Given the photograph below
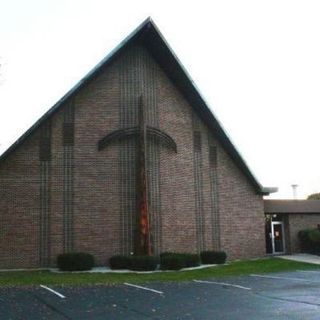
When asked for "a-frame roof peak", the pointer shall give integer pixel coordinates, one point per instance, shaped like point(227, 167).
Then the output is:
point(148, 34)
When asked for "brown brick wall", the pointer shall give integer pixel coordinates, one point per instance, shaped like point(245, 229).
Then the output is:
point(96, 184)
point(241, 209)
point(299, 222)
point(177, 194)
point(19, 207)
point(56, 225)
point(96, 194)
point(241, 213)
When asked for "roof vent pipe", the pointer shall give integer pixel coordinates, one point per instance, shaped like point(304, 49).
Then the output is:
point(294, 191)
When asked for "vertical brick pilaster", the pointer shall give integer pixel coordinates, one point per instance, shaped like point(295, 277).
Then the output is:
point(68, 167)
point(198, 183)
point(215, 219)
point(45, 188)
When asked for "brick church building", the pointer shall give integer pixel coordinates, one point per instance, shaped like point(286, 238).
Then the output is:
point(70, 183)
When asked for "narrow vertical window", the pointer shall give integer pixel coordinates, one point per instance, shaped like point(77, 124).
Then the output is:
point(45, 143)
point(68, 134)
point(213, 156)
point(197, 141)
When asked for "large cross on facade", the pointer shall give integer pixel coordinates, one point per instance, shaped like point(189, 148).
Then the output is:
point(143, 132)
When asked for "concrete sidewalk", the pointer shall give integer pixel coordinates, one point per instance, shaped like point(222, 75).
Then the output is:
point(302, 257)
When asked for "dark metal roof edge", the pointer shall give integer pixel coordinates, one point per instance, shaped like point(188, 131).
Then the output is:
point(217, 124)
point(267, 190)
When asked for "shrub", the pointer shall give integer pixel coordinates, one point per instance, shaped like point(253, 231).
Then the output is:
point(75, 261)
point(213, 257)
point(143, 263)
point(119, 262)
point(309, 240)
point(136, 263)
point(191, 260)
point(172, 262)
point(314, 235)
point(303, 235)
point(176, 261)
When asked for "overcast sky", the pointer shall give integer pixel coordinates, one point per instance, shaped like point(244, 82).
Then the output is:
point(257, 63)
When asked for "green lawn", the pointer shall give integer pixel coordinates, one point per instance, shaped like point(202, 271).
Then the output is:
point(26, 278)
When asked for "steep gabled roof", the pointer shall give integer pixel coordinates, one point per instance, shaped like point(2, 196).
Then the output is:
point(149, 35)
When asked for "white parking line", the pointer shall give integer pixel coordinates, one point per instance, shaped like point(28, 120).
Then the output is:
point(223, 284)
point(283, 278)
point(143, 288)
point(53, 291)
point(309, 271)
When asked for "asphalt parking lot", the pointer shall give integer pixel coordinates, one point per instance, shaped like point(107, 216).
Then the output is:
point(291, 295)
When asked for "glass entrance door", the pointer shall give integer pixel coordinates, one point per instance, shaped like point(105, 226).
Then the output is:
point(277, 237)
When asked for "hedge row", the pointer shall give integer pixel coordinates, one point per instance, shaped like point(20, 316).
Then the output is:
point(310, 240)
point(80, 261)
point(177, 261)
point(75, 261)
point(136, 263)
point(168, 261)
point(213, 257)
